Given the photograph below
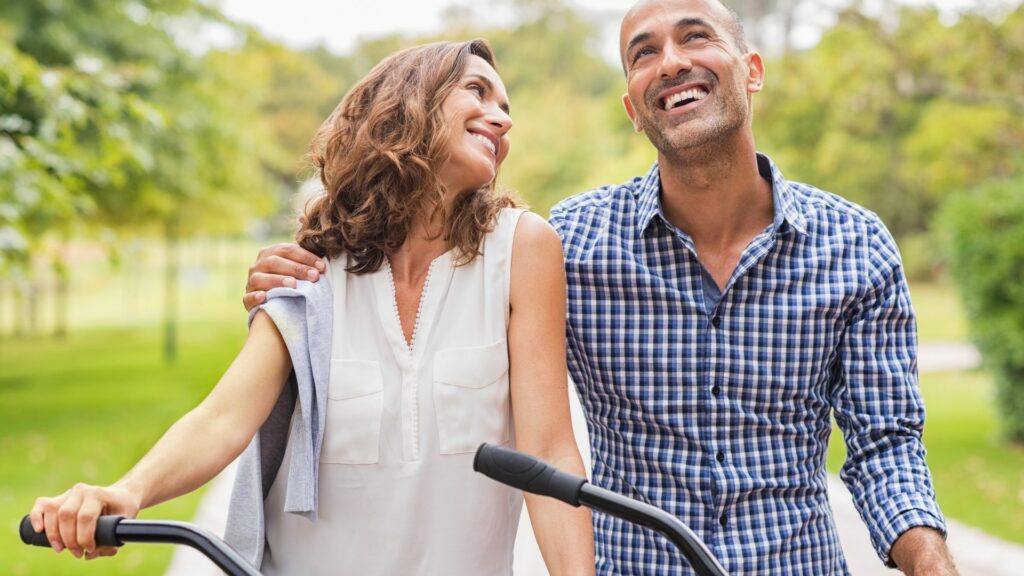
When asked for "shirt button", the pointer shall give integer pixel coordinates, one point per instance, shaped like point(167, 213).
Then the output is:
point(724, 519)
point(716, 321)
point(720, 457)
point(716, 390)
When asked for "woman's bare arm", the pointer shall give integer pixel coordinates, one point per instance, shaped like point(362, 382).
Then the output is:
point(194, 450)
point(539, 383)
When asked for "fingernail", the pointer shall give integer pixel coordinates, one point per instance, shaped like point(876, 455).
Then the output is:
point(57, 547)
point(260, 297)
point(289, 282)
point(312, 274)
point(320, 265)
point(76, 553)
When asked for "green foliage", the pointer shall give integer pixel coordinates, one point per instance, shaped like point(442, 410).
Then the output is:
point(108, 121)
point(570, 130)
point(986, 229)
point(899, 116)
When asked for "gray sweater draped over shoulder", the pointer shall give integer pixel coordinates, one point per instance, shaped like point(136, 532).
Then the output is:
point(304, 317)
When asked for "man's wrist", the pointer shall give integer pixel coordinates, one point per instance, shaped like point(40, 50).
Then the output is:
point(922, 550)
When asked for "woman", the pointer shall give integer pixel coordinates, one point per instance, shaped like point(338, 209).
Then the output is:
point(359, 401)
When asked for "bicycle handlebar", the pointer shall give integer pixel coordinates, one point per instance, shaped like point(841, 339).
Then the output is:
point(117, 530)
point(529, 474)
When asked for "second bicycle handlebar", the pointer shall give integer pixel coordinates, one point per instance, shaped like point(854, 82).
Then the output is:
point(532, 475)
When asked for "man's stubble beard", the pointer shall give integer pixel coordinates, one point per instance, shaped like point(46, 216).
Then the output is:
point(701, 143)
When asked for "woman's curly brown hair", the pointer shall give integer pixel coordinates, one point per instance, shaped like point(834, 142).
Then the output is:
point(378, 154)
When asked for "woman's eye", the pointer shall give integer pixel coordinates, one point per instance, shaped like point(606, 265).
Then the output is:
point(480, 90)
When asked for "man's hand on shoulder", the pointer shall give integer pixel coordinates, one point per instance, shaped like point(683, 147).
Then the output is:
point(279, 265)
point(923, 551)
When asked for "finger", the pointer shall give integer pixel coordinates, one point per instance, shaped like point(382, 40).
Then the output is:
point(88, 513)
point(101, 552)
point(261, 281)
point(301, 255)
point(254, 299)
point(67, 523)
point(286, 267)
point(50, 523)
point(36, 515)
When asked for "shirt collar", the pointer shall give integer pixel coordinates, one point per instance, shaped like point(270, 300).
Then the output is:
point(786, 204)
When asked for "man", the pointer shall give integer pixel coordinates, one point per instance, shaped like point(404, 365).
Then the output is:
point(718, 314)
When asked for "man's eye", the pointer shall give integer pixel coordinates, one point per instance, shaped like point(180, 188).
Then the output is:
point(697, 36)
point(642, 52)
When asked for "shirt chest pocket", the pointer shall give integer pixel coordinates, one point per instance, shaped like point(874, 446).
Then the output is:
point(471, 396)
point(355, 403)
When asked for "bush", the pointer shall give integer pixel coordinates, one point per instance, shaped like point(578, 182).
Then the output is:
point(986, 232)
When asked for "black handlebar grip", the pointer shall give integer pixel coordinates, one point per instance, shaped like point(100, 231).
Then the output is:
point(527, 473)
point(106, 532)
point(30, 536)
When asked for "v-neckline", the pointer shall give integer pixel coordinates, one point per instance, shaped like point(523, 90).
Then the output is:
point(410, 341)
point(438, 275)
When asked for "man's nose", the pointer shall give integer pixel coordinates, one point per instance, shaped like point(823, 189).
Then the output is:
point(674, 61)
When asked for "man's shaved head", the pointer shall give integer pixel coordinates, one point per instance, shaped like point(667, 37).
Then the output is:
point(730, 18)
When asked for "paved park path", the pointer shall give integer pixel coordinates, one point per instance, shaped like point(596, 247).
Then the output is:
point(977, 554)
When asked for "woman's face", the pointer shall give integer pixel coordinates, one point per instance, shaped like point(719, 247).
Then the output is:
point(477, 113)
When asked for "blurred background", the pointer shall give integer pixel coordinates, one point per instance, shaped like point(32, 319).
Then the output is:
point(148, 148)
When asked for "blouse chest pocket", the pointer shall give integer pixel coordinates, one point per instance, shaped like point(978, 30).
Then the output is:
point(471, 396)
point(355, 403)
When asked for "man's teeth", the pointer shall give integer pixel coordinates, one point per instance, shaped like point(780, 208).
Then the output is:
point(691, 94)
point(485, 141)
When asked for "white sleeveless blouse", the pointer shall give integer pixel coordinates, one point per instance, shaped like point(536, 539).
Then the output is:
point(397, 490)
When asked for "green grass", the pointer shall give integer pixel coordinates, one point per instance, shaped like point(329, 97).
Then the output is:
point(940, 315)
point(86, 409)
point(979, 478)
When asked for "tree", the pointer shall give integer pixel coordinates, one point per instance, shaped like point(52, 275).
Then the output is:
point(899, 116)
point(113, 123)
point(986, 229)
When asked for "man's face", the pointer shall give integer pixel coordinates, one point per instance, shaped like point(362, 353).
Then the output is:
point(688, 84)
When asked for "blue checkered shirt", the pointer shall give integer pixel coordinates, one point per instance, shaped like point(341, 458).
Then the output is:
point(721, 416)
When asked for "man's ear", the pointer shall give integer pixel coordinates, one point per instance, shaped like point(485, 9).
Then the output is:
point(631, 112)
point(755, 72)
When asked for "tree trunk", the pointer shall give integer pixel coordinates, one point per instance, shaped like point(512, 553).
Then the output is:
point(60, 297)
point(32, 300)
point(18, 308)
point(755, 10)
point(171, 273)
point(3, 309)
point(788, 9)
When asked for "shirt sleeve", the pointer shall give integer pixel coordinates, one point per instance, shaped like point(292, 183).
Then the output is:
point(878, 404)
point(576, 363)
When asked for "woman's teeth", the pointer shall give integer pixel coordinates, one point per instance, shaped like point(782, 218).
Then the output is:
point(485, 141)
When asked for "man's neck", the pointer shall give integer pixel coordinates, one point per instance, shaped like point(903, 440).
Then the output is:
point(718, 199)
